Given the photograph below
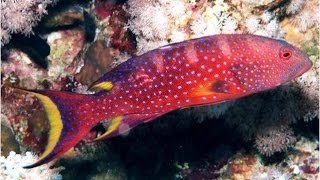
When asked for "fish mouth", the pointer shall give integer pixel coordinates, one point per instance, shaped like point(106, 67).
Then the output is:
point(302, 68)
point(298, 70)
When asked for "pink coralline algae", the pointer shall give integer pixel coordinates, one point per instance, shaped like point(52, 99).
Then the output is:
point(113, 21)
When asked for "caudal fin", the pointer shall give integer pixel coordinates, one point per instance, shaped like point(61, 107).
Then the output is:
point(67, 126)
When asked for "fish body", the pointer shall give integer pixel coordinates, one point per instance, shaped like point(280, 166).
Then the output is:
point(203, 71)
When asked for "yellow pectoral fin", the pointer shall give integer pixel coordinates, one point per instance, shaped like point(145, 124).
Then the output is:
point(55, 122)
point(107, 86)
point(115, 123)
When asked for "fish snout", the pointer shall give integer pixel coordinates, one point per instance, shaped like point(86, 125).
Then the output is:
point(304, 67)
point(296, 70)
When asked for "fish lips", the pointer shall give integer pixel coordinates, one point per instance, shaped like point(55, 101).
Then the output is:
point(302, 68)
point(298, 70)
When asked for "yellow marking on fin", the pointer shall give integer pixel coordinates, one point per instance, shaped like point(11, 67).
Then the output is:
point(102, 86)
point(55, 122)
point(115, 122)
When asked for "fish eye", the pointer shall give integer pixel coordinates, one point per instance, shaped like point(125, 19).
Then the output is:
point(285, 53)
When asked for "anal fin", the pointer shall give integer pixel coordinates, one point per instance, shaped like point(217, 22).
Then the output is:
point(115, 123)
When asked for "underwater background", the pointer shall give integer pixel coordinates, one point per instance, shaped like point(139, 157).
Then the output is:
point(66, 45)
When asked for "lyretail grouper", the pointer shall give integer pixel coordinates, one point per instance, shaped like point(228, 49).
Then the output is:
point(197, 72)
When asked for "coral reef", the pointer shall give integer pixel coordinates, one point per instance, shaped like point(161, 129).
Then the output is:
point(27, 124)
point(113, 19)
point(274, 140)
point(269, 122)
point(11, 167)
point(272, 113)
point(304, 14)
point(295, 6)
point(8, 141)
point(300, 164)
point(65, 46)
point(20, 16)
point(23, 111)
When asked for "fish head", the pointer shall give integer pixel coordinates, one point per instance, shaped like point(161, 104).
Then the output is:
point(266, 63)
point(292, 62)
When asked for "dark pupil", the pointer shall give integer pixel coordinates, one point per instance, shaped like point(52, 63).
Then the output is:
point(286, 54)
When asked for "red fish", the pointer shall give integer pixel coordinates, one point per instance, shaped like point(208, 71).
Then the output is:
point(197, 72)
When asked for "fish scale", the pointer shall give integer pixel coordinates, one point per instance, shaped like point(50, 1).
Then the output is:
point(197, 72)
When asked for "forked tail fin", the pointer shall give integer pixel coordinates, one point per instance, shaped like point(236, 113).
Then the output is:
point(67, 125)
